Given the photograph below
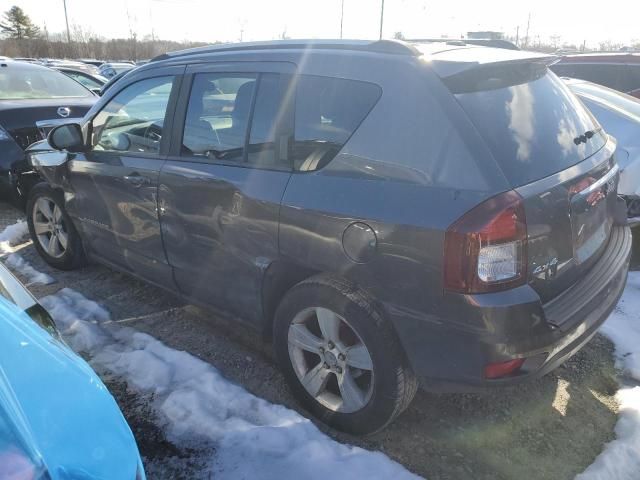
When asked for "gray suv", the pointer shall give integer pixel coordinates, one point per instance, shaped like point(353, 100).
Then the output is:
point(390, 215)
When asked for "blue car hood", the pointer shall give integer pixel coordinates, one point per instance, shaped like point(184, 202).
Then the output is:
point(55, 413)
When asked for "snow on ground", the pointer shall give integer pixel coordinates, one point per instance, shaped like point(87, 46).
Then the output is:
point(19, 264)
point(620, 458)
point(253, 438)
point(10, 236)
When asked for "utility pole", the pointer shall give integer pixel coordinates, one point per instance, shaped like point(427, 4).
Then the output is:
point(526, 38)
point(381, 18)
point(341, 17)
point(66, 19)
point(518, 36)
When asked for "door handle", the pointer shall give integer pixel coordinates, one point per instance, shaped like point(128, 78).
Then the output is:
point(137, 180)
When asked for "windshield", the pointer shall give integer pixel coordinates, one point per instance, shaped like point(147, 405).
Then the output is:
point(32, 83)
point(529, 119)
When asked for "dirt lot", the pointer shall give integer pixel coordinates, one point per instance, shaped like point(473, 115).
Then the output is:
point(552, 428)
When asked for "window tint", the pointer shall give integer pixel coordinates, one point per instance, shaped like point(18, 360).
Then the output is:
point(631, 79)
point(132, 121)
point(270, 115)
point(217, 116)
point(531, 127)
point(327, 112)
point(603, 74)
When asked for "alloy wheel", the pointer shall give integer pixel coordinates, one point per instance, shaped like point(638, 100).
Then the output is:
point(49, 227)
point(330, 360)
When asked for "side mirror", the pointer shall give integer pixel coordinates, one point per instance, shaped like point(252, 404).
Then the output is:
point(97, 91)
point(67, 137)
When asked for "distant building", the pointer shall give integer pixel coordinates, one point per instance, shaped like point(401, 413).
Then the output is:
point(486, 35)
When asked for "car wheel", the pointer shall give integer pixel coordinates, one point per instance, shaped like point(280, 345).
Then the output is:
point(51, 229)
point(340, 356)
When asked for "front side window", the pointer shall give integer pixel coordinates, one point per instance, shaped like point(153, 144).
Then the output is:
point(133, 120)
point(328, 111)
point(218, 116)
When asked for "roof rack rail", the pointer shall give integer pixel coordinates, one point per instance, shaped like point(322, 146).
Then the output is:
point(393, 47)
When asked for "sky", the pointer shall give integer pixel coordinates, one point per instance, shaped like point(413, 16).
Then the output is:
point(574, 21)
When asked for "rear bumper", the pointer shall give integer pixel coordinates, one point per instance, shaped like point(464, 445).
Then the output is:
point(449, 354)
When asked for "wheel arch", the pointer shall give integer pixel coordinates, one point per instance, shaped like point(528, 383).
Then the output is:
point(278, 279)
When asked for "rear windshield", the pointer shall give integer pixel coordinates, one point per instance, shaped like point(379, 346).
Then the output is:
point(24, 84)
point(532, 123)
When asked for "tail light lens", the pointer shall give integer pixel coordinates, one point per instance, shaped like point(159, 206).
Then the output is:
point(485, 250)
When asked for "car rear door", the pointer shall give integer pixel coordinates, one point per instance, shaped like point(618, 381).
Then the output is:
point(221, 187)
point(115, 183)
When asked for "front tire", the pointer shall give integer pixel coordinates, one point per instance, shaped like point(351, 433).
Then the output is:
point(340, 357)
point(52, 231)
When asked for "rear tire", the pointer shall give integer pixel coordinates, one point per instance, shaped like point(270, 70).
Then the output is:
point(358, 383)
point(52, 231)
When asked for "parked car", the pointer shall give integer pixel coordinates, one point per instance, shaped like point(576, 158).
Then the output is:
point(92, 82)
point(113, 80)
point(619, 114)
point(57, 418)
point(482, 42)
point(33, 99)
point(387, 214)
point(109, 70)
point(91, 61)
point(88, 68)
point(620, 71)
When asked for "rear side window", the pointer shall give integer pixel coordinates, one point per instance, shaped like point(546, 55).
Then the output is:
point(529, 119)
point(327, 112)
point(631, 79)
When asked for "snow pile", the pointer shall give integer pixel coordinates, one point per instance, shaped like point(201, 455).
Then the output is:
point(12, 235)
point(620, 458)
point(19, 264)
point(253, 438)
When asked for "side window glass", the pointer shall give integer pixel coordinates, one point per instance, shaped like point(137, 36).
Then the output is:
point(327, 112)
point(630, 80)
point(132, 121)
point(269, 115)
point(607, 75)
point(217, 116)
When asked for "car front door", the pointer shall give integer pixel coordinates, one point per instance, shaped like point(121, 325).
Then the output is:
point(115, 183)
point(221, 187)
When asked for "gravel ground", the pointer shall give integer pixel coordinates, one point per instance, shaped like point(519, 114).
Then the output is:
point(552, 428)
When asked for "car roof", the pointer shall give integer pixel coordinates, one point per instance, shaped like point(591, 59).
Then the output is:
point(379, 46)
point(446, 57)
point(23, 66)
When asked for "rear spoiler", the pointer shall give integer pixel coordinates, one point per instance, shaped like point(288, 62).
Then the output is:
point(453, 62)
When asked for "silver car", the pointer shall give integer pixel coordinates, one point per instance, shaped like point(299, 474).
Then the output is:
point(619, 115)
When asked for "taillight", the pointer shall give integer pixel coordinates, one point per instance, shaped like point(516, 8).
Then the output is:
point(485, 250)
